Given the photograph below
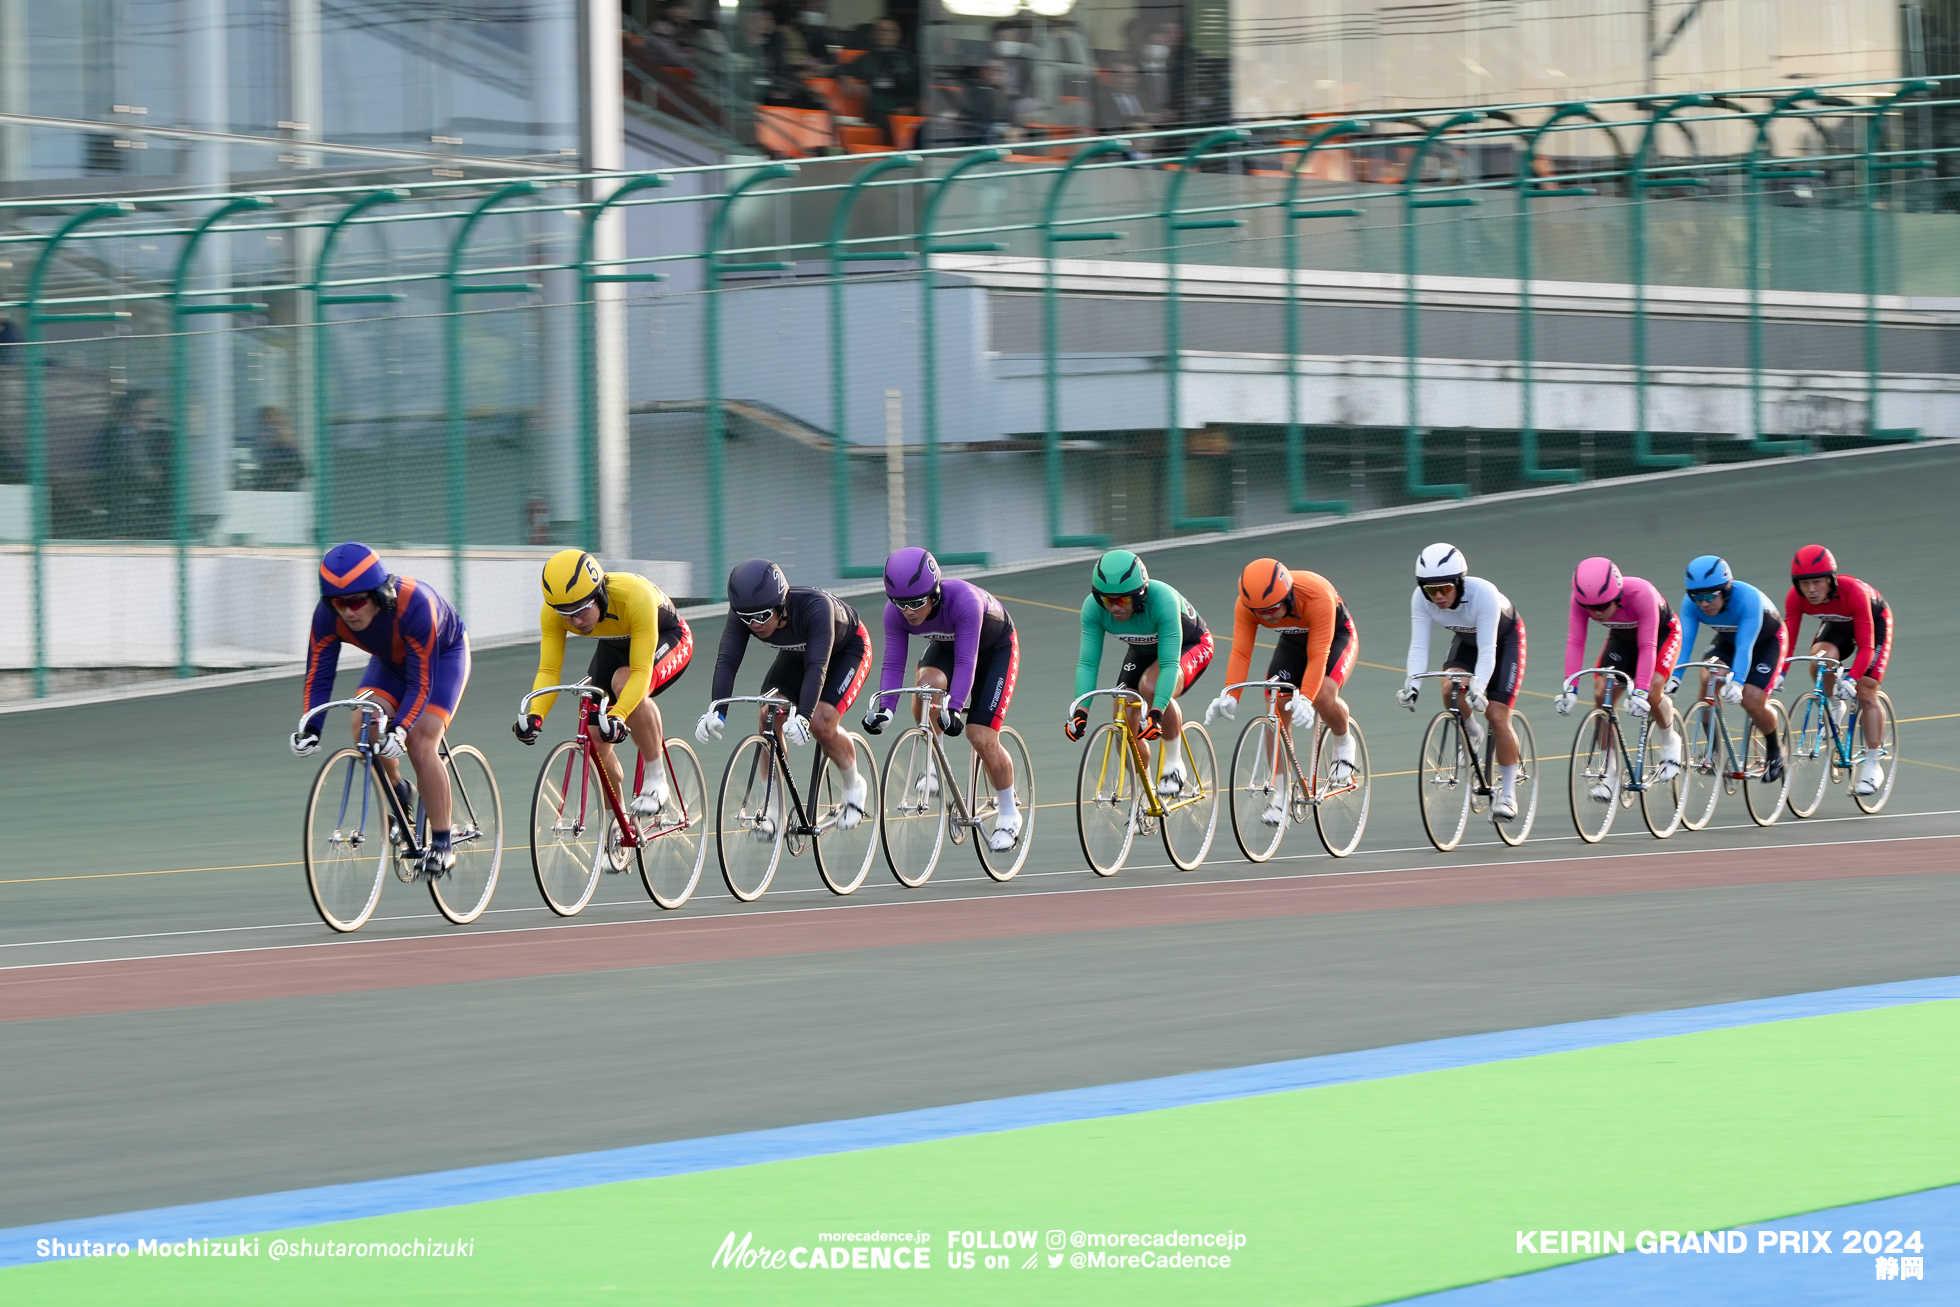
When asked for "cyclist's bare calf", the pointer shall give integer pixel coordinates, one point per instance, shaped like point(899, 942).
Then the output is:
point(984, 739)
point(431, 780)
point(644, 723)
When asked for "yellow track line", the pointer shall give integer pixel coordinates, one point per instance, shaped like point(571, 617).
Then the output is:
point(1937, 717)
point(177, 871)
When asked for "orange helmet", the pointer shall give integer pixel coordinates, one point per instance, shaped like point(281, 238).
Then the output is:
point(1265, 583)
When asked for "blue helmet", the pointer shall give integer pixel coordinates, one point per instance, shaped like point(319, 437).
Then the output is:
point(911, 573)
point(351, 569)
point(1709, 573)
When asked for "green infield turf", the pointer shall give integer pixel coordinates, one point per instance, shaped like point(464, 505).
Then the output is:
point(1356, 1193)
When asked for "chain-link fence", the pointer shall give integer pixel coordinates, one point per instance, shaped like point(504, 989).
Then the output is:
point(999, 353)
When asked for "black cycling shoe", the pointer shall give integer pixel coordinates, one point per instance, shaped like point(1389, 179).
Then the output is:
point(1773, 768)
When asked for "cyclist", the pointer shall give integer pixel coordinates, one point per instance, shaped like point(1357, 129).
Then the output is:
point(643, 647)
point(1744, 622)
point(419, 662)
point(972, 652)
point(1643, 640)
point(1318, 644)
point(1851, 616)
point(1148, 617)
point(1486, 653)
point(824, 657)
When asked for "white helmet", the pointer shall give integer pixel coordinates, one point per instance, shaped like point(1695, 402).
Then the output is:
point(1441, 562)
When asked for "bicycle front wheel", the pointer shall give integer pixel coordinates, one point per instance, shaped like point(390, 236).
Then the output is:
point(1660, 800)
point(1701, 765)
point(914, 806)
point(1444, 779)
point(1888, 760)
point(1004, 865)
point(674, 841)
point(1812, 748)
point(1191, 815)
point(1108, 797)
point(1516, 830)
point(750, 819)
point(571, 829)
point(1340, 813)
point(1594, 776)
point(476, 833)
point(1765, 797)
point(1262, 789)
point(346, 840)
point(844, 856)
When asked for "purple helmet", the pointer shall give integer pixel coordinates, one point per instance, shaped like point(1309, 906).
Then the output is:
point(911, 573)
point(1596, 582)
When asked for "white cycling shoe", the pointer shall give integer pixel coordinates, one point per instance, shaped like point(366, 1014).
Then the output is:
point(853, 810)
point(1504, 807)
point(1476, 731)
point(1670, 757)
point(651, 799)
point(1275, 813)
point(1871, 778)
point(928, 784)
point(1006, 831)
point(1171, 783)
point(1605, 787)
point(764, 830)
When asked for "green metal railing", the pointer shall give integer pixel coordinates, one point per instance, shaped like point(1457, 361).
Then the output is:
point(1160, 205)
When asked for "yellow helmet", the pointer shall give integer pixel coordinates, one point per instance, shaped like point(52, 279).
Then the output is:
point(573, 579)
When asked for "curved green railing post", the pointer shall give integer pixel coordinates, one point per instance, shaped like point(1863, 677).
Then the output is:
point(929, 335)
point(458, 418)
point(1874, 122)
point(588, 349)
point(1412, 433)
point(1296, 455)
point(1637, 182)
point(717, 420)
point(1173, 326)
point(1051, 339)
point(180, 404)
point(322, 355)
point(1528, 190)
point(840, 443)
point(1756, 173)
point(37, 415)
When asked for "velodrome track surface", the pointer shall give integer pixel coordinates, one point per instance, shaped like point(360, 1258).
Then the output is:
point(176, 1027)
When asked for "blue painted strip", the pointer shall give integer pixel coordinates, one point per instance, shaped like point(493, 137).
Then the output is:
point(476, 1184)
point(1756, 1278)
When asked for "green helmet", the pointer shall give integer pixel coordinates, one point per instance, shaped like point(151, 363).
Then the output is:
point(1120, 573)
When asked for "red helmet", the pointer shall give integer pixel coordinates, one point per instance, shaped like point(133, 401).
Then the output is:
point(1812, 561)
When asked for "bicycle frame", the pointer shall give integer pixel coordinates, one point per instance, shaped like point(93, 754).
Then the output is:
point(1154, 804)
point(1453, 698)
point(372, 712)
point(962, 813)
point(1842, 750)
point(1284, 733)
point(779, 755)
point(1635, 760)
point(1734, 768)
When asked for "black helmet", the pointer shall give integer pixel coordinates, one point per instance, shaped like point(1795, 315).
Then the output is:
point(755, 585)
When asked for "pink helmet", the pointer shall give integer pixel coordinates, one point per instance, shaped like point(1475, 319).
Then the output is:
point(1596, 583)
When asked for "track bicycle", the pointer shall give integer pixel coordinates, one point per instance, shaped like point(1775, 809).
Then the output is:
point(1452, 781)
point(1268, 781)
point(1113, 805)
point(924, 804)
point(580, 828)
point(1824, 749)
point(1711, 765)
point(761, 812)
point(358, 828)
point(1606, 775)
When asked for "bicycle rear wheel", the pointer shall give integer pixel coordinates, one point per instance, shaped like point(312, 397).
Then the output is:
point(750, 819)
point(476, 822)
point(1444, 780)
point(1108, 798)
point(1341, 814)
point(346, 840)
point(1516, 830)
point(1765, 797)
point(1595, 764)
point(1004, 865)
point(1660, 800)
point(572, 833)
point(914, 803)
point(844, 857)
point(1888, 760)
point(1701, 765)
point(674, 841)
point(1191, 815)
point(1262, 786)
point(1812, 747)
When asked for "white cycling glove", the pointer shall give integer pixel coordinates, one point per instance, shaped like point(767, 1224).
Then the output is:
point(304, 743)
point(1300, 709)
point(1637, 703)
point(1223, 706)
point(797, 729)
point(1563, 705)
point(1476, 701)
point(1406, 696)
point(1846, 688)
point(709, 727)
point(1731, 691)
point(1672, 686)
point(395, 743)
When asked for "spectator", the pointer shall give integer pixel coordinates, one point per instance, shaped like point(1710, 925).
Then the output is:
point(9, 337)
point(137, 459)
point(987, 107)
point(777, 61)
point(1161, 73)
point(889, 74)
point(276, 458)
point(1119, 100)
point(667, 38)
point(820, 44)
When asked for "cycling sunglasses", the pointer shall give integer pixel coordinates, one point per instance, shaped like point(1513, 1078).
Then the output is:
point(1437, 589)
point(352, 603)
point(914, 605)
point(1112, 601)
point(1703, 596)
point(757, 617)
point(573, 610)
point(1270, 610)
